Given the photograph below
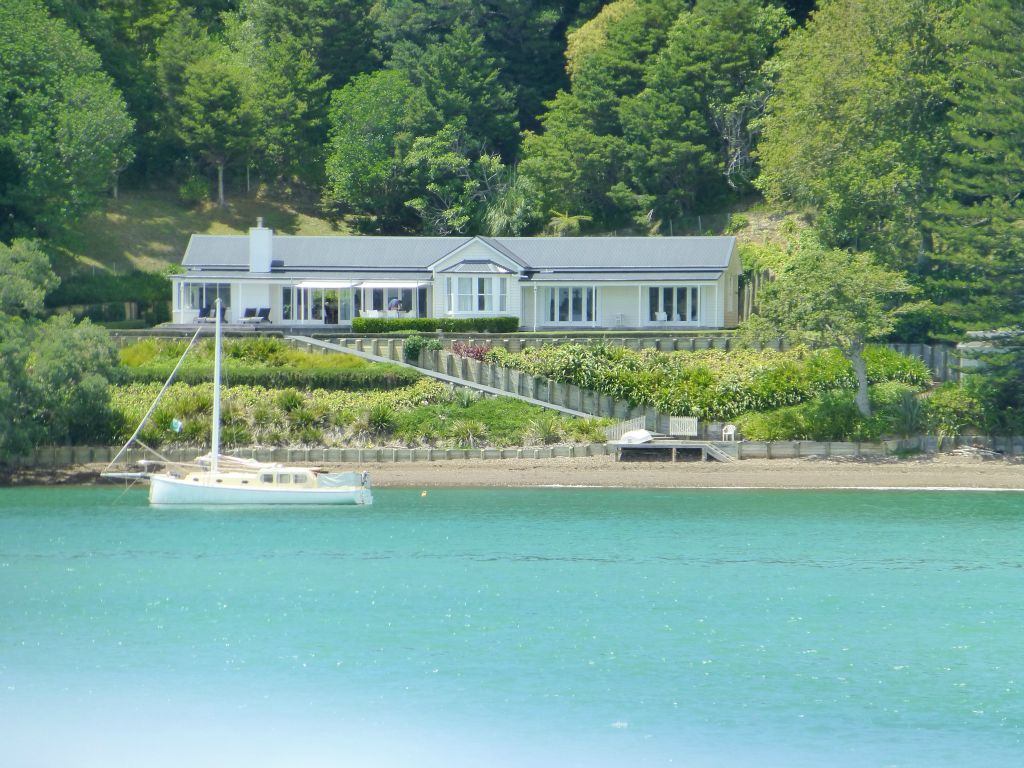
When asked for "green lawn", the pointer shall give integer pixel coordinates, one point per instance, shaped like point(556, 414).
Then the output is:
point(149, 230)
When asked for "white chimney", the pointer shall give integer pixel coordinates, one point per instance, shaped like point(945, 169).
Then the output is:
point(261, 247)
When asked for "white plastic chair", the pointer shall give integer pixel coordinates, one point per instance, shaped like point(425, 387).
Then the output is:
point(729, 432)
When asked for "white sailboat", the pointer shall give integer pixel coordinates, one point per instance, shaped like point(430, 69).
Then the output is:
point(214, 479)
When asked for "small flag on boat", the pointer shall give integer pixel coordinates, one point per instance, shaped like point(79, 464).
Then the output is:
point(176, 425)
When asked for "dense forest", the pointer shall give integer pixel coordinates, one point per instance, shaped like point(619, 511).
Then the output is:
point(894, 127)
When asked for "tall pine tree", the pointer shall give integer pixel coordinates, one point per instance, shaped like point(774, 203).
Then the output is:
point(978, 223)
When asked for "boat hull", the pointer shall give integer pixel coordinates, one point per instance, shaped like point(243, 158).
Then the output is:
point(173, 490)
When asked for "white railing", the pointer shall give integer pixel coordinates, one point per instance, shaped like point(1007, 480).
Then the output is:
point(615, 431)
point(718, 453)
point(683, 426)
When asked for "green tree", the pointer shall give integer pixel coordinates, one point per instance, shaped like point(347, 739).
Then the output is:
point(125, 35)
point(20, 431)
point(63, 125)
point(524, 37)
point(286, 98)
point(53, 375)
point(183, 43)
point(214, 118)
point(374, 121)
point(462, 81)
point(581, 153)
point(68, 371)
point(457, 179)
point(977, 218)
point(831, 297)
point(27, 278)
point(573, 166)
point(689, 130)
point(514, 210)
point(338, 35)
point(857, 125)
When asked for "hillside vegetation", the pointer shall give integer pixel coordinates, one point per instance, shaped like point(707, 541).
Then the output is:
point(895, 129)
point(148, 230)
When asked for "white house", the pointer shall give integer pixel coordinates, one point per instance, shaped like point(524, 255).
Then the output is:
point(547, 282)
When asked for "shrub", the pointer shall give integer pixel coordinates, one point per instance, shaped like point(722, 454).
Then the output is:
point(289, 400)
point(710, 384)
point(831, 415)
point(140, 353)
point(467, 431)
point(464, 397)
point(302, 418)
point(431, 324)
point(381, 419)
point(546, 428)
point(951, 408)
point(235, 434)
point(472, 351)
point(193, 191)
point(415, 343)
point(266, 350)
point(104, 287)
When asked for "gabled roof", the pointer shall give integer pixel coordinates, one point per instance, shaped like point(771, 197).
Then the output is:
point(324, 251)
point(478, 266)
point(537, 255)
point(633, 253)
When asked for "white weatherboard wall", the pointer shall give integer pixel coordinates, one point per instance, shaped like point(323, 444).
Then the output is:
point(253, 295)
point(616, 301)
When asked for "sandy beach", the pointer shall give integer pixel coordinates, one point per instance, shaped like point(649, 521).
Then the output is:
point(959, 469)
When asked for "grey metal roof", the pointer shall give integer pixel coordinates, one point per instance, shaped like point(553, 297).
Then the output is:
point(222, 250)
point(623, 252)
point(325, 251)
point(347, 253)
point(618, 277)
point(477, 266)
point(291, 275)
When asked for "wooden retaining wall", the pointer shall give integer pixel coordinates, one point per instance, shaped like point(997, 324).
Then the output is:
point(53, 457)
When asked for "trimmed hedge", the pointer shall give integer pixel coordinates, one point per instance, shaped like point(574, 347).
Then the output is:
point(107, 287)
point(431, 324)
point(381, 377)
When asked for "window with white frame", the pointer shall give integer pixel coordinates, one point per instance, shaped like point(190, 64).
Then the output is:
point(673, 304)
point(202, 295)
point(477, 295)
point(571, 304)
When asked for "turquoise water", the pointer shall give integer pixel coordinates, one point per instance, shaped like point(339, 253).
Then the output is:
point(514, 627)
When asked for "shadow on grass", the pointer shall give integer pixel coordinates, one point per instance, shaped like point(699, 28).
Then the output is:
point(149, 231)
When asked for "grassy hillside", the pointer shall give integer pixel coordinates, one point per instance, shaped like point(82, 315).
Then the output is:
point(149, 230)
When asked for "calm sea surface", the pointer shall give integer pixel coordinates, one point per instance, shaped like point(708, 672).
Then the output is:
point(514, 628)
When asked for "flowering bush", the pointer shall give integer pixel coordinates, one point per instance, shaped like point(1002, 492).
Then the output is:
point(473, 351)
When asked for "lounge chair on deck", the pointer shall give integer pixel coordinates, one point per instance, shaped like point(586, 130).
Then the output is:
point(256, 316)
point(207, 315)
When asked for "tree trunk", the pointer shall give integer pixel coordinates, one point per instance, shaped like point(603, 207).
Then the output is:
point(116, 177)
point(220, 185)
point(856, 356)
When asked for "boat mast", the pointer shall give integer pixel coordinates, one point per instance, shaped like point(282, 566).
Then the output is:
point(215, 432)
